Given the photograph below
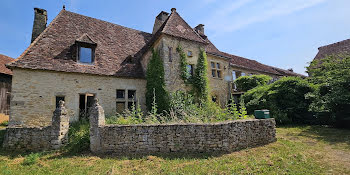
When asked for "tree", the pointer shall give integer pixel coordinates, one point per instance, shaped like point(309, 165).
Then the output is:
point(332, 78)
point(245, 83)
point(155, 87)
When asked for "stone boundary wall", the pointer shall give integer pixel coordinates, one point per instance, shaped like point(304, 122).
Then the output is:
point(143, 139)
point(37, 138)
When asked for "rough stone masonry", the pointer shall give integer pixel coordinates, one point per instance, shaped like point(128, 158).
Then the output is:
point(143, 139)
point(40, 138)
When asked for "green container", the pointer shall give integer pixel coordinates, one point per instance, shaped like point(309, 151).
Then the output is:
point(262, 114)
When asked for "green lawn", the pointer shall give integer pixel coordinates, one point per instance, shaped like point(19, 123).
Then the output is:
point(298, 150)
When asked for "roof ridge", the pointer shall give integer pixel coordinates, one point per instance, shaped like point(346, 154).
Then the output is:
point(107, 22)
point(334, 44)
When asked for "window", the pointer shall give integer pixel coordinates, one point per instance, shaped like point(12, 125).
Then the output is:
point(170, 54)
point(86, 54)
point(216, 70)
point(121, 94)
point(125, 101)
point(85, 103)
point(234, 77)
point(58, 99)
point(243, 74)
point(131, 94)
point(189, 53)
point(214, 99)
point(190, 70)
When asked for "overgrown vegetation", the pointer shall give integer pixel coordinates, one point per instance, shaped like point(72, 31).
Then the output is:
point(185, 75)
point(284, 98)
point(298, 150)
point(332, 96)
point(156, 84)
point(183, 109)
point(245, 83)
point(79, 138)
point(31, 159)
point(201, 82)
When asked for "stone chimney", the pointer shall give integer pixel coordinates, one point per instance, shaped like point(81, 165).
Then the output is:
point(160, 19)
point(40, 20)
point(290, 69)
point(200, 29)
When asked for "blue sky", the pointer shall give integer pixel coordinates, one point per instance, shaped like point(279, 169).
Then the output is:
point(281, 33)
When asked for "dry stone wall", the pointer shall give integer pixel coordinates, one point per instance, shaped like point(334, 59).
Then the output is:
point(40, 138)
point(142, 139)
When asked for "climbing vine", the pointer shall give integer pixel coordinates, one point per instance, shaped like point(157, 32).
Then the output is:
point(155, 87)
point(201, 83)
point(185, 75)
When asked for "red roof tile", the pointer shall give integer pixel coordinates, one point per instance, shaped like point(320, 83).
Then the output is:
point(3, 61)
point(55, 48)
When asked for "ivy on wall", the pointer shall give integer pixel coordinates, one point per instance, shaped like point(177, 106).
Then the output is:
point(155, 87)
point(201, 82)
point(185, 75)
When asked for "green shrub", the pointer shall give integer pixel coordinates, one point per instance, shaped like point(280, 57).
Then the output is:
point(332, 78)
point(284, 98)
point(156, 83)
point(201, 82)
point(4, 123)
point(79, 138)
point(245, 83)
point(31, 159)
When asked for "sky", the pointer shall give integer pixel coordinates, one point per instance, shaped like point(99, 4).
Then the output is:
point(281, 33)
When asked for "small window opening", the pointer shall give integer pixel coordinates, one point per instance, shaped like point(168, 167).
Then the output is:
point(190, 70)
point(189, 54)
point(170, 54)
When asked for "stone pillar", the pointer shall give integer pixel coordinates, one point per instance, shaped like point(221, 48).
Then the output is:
point(60, 126)
point(96, 119)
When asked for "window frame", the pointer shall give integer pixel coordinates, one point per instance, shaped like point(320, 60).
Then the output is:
point(216, 69)
point(126, 100)
point(86, 45)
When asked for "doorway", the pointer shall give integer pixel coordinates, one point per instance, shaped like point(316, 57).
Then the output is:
point(85, 103)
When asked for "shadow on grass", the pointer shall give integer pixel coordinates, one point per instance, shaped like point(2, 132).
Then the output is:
point(326, 134)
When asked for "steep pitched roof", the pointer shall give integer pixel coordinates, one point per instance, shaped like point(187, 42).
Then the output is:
point(54, 48)
point(342, 47)
point(3, 61)
point(176, 26)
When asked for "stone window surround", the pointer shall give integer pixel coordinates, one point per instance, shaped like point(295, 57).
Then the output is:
point(126, 100)
point(218, 68)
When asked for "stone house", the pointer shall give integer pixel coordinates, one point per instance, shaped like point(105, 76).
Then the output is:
point(76, 58)
point(5, 84)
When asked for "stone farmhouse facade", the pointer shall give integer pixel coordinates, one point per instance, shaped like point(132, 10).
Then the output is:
point(76, 58)
point(5, 84)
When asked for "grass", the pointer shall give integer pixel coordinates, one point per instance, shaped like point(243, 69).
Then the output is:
point(298, 150)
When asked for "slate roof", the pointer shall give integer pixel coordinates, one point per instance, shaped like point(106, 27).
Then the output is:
point(341, 47)
point(55, 48)
point(3, 61)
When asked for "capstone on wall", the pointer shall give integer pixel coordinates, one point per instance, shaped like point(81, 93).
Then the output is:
point(34, 94)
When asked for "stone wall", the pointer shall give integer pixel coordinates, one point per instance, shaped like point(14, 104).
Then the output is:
point(143, 139)
point(40, 138)
point(34, 94)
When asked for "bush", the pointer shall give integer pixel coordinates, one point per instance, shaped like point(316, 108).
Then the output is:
point(332, 78)
point(284, 98)
point(31, 159)
point(79, 138)
point(245, 83)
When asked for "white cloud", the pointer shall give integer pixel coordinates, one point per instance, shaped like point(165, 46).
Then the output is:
point(235, 15)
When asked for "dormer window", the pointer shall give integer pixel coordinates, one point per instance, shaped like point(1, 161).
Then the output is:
point(85, 49)
point(86, 55)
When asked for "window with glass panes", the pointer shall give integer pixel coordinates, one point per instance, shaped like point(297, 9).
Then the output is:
point(216, 69)
point(125, 99)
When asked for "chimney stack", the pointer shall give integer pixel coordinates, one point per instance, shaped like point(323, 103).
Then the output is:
point(200, 29)
point(290, 69)
point(40, 20)
point(160, 19)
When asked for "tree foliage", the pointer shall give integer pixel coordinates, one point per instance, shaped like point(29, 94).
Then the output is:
point(201, 83)
point(185, 75)
point(332, 78)
point(245, 83)
point(155, 87)
point(284, 98)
